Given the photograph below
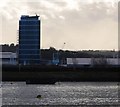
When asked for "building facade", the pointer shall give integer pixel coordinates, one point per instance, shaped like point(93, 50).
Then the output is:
point(8, 58)
point(29, 40)
point(92, 61)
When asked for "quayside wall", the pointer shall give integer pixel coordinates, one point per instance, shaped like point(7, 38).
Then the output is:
point(52, 74)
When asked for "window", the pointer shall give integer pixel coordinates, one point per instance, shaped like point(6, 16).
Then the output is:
point(33, 23)
point(29, 46)
point(29, 37)
point(29, 56)
point(31, 51)
point(36, 41)
point(29, 33)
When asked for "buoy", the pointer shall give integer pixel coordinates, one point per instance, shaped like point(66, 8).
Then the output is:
point(39, 96)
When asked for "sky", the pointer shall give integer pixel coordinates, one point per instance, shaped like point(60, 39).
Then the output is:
point(80, 24)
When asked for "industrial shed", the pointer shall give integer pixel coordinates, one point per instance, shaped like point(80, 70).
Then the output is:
point(8, 58)
point(92, 61)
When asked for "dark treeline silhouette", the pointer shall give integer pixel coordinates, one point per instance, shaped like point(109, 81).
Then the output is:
point(47, 54)
point(9, 48)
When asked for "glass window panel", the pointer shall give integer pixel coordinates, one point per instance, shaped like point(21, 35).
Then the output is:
point(29, 51)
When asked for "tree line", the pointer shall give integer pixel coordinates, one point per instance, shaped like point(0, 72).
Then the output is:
point(47, 54)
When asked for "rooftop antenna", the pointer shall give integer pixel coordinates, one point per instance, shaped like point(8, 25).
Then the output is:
point(36, 14)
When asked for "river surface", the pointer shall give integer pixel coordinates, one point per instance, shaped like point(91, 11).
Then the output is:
point(61, 93)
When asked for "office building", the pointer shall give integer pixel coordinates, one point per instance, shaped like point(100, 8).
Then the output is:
point(29, 40)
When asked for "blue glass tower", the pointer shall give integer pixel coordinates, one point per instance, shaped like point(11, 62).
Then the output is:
point(29, 40)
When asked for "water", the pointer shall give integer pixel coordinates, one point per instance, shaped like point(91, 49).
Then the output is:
point(67, 93)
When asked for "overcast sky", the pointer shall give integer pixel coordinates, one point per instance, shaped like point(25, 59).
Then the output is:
point(81, 24)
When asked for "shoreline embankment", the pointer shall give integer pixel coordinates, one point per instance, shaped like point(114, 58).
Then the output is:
point(51, 74)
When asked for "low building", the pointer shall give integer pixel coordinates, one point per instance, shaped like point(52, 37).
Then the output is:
point(92, 61)
point(113, 61)
point(8, 58)
point(78, 61)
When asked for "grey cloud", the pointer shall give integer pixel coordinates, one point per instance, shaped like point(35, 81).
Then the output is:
point(80, 29)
